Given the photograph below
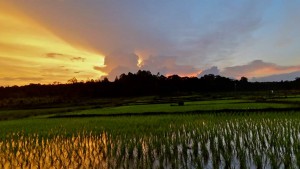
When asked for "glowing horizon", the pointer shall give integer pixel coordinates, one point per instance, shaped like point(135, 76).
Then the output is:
point(32, 52)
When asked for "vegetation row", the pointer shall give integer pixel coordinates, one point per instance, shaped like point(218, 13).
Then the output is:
point(234, 142)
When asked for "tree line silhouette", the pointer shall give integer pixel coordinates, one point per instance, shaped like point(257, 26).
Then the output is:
point(143, 83)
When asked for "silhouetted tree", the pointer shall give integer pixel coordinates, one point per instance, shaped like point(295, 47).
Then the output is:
point(244, 80)
point(73, 80)
point(140, 83)
point(105, 80)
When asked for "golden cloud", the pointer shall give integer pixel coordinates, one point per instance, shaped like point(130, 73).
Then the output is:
point(24, 44)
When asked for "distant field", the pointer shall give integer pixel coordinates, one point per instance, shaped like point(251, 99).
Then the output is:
point(42, 120)
point(194, 107)
point(188, 106)
point(151, 105)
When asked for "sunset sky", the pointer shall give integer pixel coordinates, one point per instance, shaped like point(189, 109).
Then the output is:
point(43, 41)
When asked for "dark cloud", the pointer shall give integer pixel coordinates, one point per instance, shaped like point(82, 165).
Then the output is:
point(78, 59)
point(63, 56)
point(53, 55)
point(98, 68)
point(55, 69)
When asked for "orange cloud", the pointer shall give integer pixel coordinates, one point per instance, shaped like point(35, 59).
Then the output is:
point(258, 68)
point(24, 44)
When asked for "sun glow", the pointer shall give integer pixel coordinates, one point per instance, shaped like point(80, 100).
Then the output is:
point(140, 62)
point(142, 55)
point(30, 53)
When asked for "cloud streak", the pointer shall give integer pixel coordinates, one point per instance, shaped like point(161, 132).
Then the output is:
point(33, 52)
point(53, 55)
point(257, 70)
point(81, 59)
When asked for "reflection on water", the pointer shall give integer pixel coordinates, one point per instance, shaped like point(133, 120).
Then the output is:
point(229, 144)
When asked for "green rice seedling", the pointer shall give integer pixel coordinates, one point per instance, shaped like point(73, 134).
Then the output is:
point(242, 159)
point(205, 153)
point(275, 161)
point(287, 160)
point(194, 141)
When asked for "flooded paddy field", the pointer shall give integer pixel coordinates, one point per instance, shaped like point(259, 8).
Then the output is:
point(212, 140)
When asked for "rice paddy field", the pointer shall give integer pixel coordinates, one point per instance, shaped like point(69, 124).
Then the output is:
point(200, 134)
